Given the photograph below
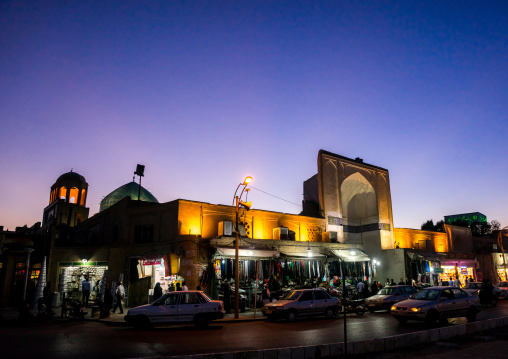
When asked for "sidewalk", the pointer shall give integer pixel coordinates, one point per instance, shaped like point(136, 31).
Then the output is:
point(11, 315)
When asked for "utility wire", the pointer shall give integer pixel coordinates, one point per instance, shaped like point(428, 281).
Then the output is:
point(282, 199)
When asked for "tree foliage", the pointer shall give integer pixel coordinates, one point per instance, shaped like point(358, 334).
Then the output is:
point(430, 226)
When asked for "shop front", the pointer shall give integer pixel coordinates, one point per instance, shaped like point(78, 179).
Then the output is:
point(72, 274)
point(461, 269)
point(501, 262)
point(147, 271)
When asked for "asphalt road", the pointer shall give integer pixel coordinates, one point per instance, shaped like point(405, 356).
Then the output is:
point(72, 339)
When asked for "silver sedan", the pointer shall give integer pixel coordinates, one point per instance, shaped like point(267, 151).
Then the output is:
point(437, 303)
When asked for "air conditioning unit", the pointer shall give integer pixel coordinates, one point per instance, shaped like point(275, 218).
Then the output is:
point(281, 233)
point(330, 237)
point(241, 229)
point(225, 228)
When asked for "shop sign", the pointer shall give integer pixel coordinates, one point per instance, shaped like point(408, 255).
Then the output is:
point(438, 270)
point(463, 270)
point(151, 262)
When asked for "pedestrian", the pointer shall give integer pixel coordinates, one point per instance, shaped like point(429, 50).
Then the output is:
point(85, 286)
point(408, 282)
point(47, 296)
point(392, 282)
point(157, 291)
point(178, 287)
point(184, 287)
point(171, 287)
point(120, 294)
point(373, 288)
point(401, 282)
point(387, 282)
point(456, 282)
point(266, 295)
point(360, 287)
point(107, 304)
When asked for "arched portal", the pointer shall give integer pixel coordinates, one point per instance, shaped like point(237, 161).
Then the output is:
point(358, 200)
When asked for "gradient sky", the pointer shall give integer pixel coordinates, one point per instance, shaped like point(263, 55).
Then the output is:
point(204, 93)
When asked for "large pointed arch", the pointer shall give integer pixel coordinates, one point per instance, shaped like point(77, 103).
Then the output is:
point(358, 199)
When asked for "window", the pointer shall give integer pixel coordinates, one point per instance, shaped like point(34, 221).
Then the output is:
point(306, 296)
point(189, 298)
point(143, 234)
point(63, 192)
point(447, 293)
point(73, 195)
point(319, 294)
point(172, 299)
point(458, 293)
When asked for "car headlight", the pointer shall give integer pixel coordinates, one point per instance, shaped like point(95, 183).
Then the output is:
point(415, 310)
point(393, 307)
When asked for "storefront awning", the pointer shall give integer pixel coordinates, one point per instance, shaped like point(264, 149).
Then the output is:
point(303, 254)
point(253, 253)
point(351, 255)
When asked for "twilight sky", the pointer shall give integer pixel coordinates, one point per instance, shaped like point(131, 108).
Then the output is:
point(204, 93)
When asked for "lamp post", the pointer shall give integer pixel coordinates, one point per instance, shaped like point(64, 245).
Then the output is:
point(247, 205)
point(28, 251)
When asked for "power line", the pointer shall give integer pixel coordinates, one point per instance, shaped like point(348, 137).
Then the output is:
point(282, 199)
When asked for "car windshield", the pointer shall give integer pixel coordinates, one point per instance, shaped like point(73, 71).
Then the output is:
point(427, 294)
point(473, 286)
point(387, 291)
point(292, 295)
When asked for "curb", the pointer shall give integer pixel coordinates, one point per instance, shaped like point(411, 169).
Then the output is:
point(359, 348)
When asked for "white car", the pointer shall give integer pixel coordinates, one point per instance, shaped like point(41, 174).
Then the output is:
point(177, 307)
point(304, 302)
point(437, 303)
point(503, 287)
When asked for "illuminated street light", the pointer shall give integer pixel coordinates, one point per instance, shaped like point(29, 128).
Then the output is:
point(246, 205)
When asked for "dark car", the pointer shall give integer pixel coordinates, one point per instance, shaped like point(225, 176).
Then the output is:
point(177, 307)
point(304, 302)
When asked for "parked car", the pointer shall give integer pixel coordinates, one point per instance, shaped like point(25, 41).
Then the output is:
point(437, 303)
point(388, 296)
point(304, 302)
point(177, 307)
point(503, 289)
point(474, 288)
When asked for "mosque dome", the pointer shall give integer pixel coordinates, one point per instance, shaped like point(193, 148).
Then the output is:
point(71, 177)
point(131, 190)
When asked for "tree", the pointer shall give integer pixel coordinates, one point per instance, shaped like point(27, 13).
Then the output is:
point(430, 226)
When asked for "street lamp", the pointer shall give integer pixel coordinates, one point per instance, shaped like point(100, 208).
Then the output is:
point(247, 205)
point(28, 251)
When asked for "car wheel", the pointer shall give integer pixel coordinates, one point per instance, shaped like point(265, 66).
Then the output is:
point(471, 314)
point(432, 317)
point(401, 320)
point(142, 322)
point(329, 313)
point(291, 317)
point(494, 301)
point(201, 322)
point(360, 309)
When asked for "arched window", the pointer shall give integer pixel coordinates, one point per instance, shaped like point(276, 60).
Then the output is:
point(83, 197)
point(63, 193)
point(73, 195)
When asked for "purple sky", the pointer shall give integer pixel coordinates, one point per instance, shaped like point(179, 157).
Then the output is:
point(204, 93)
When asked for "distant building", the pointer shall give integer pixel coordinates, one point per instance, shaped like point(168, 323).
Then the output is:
point(467, 217)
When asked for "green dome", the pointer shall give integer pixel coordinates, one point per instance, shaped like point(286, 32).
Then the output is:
point(127, 190)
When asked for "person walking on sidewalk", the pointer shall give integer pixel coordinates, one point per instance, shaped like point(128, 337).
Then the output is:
point(120, 294)
point(85, 286)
